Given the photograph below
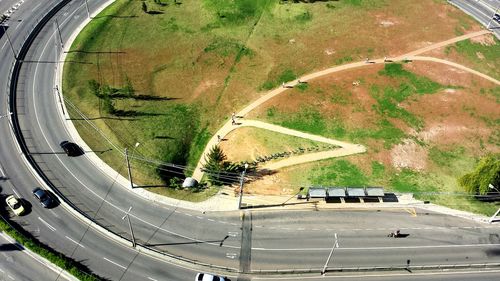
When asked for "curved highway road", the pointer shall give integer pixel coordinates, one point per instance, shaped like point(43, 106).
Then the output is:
point(245, 242)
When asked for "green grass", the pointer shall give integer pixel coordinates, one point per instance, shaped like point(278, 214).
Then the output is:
point(435, 186)
point(472, 51)
point(445, 158)
point(385, 131)
point(236, 11)
point(338, 173)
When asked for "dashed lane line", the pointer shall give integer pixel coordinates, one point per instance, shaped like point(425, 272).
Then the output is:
point(47, 224)
point(119, 265)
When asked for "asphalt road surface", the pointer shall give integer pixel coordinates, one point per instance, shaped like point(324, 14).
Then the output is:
point(482, 11)
point(260, 241)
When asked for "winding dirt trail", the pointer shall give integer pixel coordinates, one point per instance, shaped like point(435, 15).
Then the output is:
point(345, 148)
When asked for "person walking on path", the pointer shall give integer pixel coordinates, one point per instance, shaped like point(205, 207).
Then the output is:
point(233, 119)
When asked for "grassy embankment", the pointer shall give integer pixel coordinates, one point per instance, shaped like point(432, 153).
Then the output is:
point(193, 64)
point(389, 121)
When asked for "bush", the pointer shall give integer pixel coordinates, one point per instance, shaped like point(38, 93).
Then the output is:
point(486, 172)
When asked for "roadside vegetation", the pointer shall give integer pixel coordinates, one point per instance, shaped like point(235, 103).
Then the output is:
point(168, 74)
point(24, 238)
point(422, 135)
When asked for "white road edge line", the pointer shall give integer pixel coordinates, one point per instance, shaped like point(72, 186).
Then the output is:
point(152, 279)
point(47, 224)
point(383, 248)
point(114, 263)
point(376, 275)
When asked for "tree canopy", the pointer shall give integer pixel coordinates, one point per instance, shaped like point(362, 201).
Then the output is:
point(486, 172)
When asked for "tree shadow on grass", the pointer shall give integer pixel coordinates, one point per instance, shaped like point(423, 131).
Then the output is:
point(115, 17)
point(155, 12)
point(95, 52)
point(133, 113)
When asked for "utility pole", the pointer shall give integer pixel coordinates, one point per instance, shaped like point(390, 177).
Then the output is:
point(494, 13)
point(130, 225)
point(335, 245)
point(87, 6)
point(242, 179)
point(128, 164)
point(6, 115)
point(10, 42)
point(60, 36)
point(128, 169)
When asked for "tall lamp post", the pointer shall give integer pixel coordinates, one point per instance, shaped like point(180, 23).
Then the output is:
point(498, 211)
point(10, 42)
point(130, 225)
point(129, 170)
point(335, 245)
point(87, 6)
point(242, 179)
point(6, 115)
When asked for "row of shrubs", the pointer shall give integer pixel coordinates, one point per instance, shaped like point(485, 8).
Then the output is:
point(300, 150)
point(24, 238)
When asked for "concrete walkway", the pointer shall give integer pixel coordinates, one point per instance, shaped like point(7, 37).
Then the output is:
point(346, 148)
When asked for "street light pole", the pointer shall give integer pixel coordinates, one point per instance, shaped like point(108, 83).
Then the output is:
point(335, 245)
point(87, 6)
point(129, 169)
point(300, 189)
point(241, 185)
point(6, 115)
point(60, 36)
point(130, 225)
point(10, 42)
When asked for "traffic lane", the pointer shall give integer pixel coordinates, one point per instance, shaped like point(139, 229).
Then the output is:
point(463, 275)
point(374, 256)
point(40, 93)
point(359, 221)
point(18, 264)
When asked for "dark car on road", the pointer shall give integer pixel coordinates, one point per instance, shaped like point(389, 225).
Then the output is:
point(496, 17)
point(43, 197)
point(71, 149)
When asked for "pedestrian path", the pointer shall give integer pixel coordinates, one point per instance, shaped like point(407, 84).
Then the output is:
point(346, 149)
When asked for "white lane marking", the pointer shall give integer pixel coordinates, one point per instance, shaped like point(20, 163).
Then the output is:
point(17, 194)
point(47, 224)
point(1, 270)
point(152, 279)
point(77, 243)
point(231, 255)
point(115, 263)
point(2, 172)
point(3, 45)
point(36, 7)
point(384, 248)
point(189, 215)
point(11, 277)
point(211, 220)
point(359, 276)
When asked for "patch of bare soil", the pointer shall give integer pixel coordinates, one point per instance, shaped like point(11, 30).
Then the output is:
point(447, 75)
point(409, 155)
point(486, 40)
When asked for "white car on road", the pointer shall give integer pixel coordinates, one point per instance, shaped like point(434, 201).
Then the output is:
point(15, 205)
point(209, 277)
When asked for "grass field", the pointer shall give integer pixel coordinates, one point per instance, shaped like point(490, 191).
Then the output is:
point(422, 132)
point(194, 63)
